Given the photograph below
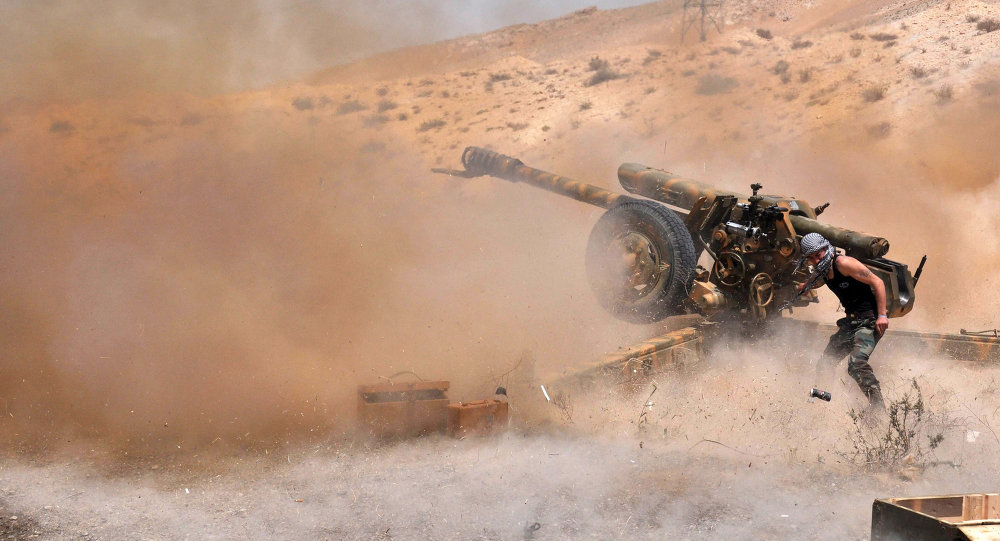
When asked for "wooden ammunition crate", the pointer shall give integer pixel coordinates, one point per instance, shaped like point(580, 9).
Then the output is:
point(403, 409)
point(959, 517)
point(476, 417)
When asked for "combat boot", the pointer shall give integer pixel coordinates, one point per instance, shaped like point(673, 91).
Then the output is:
point(875, 400)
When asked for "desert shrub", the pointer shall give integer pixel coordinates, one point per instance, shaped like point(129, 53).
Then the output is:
point(517, 126)
point(650, 90)
point(602, 75)
point(855, 52)
point(402, 116)
point(764, 33)
point(883, 36)
point(790, 95)
point(944, 93)
point(597, 64)
point(61, 126)
point(497, 77)
point(426, 82)
point(381, 91)
point(801, 44)
point(651, 55)
point(386, 105)
point(857, 36)
point(713, 83)
point(302, 104)
point(785, 77)
point(350, 107)
point(373, 147)
point(688, 73)
point(805, 75)
point(551, 71)
point(918, 72)
point(375, 120)
point(897, 442)
point(971, 18)
point(880, 130)
point(988, 25)
point(731, 50)
point(586, 105)
point(873, 93)
point(431, 124)
point(780, 67)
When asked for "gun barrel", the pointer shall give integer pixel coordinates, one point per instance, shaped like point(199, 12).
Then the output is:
point(480, 161)
point(856, 244)
point(684, 193)
point(666, 187)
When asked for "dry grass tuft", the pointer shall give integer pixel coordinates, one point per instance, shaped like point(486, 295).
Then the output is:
point(988, 25)
point(874, 93)
point(764, 33)
point(896, 443)
point(801, 44)
point(883, 36)
point(431, 124)
point(350, 107)
point(944, 93)
point(597, 63)
point(602, 75)
point(61, 126)
point(880, 130)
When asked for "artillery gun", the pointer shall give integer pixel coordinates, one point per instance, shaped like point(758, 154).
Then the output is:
point(642, 254)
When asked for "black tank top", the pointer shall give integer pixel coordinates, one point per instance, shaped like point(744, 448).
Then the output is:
point(857, 297)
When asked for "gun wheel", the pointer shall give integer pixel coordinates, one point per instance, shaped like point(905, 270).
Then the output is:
point(640, 261)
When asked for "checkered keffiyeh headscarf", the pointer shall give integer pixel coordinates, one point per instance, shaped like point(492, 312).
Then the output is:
point(812, 243)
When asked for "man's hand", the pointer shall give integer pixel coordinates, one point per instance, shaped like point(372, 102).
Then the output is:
point(881, 324)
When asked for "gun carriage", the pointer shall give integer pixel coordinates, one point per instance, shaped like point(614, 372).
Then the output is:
point(642, 255)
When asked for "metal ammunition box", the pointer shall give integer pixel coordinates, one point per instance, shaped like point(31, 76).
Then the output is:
point(403, 409)
point(962, 517)
point(477, 417)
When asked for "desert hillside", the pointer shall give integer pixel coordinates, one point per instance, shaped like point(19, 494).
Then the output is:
point(189, 276)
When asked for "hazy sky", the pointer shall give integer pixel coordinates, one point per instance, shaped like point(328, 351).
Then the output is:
point(88, 48)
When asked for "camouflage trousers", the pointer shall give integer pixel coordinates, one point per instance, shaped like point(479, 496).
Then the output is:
point(855, 338)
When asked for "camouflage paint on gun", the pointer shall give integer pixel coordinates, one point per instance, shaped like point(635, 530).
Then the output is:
point(684, 193)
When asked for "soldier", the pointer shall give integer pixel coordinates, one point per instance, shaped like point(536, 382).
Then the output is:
point(863, 296)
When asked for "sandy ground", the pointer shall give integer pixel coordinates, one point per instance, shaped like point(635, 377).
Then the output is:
point(194, 285)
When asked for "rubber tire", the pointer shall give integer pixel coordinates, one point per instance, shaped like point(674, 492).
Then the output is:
point(669, 237)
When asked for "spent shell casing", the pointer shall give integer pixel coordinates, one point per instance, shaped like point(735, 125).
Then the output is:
point(822, 395)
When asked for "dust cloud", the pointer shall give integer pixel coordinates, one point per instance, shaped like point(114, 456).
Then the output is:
point(68, 50)
point(185, 277)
